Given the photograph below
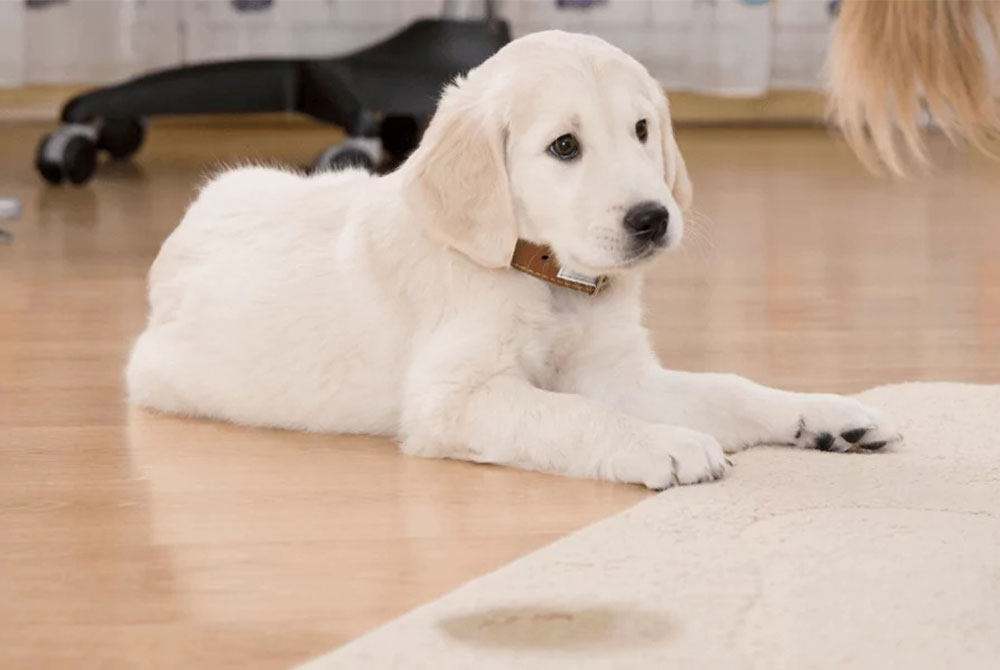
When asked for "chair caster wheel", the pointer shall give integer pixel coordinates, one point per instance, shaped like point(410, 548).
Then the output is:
point(69, 152)
point(121, 137)
point(400, 136)
point(354, 152)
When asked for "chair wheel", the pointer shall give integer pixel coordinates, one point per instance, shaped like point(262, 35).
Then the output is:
point(121, 137)
point(354, 152)
point(400, 136)
point(70, 152)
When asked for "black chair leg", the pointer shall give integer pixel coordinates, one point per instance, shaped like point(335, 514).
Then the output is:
point(112, 119)
point(380, 95)
point(215, 88)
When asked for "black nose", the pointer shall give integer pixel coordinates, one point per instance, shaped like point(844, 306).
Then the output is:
point(647, 221)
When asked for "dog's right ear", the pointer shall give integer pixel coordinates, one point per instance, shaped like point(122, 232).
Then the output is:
point(457, 180)
point(676, 171)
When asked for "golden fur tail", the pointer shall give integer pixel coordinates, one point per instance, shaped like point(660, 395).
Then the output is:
point(891, 59)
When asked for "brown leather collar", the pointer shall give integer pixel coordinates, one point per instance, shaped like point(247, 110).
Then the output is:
point(539, 261)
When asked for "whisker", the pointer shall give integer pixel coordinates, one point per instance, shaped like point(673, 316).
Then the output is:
point(699, 240)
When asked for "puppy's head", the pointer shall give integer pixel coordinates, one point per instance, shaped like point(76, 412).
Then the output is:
point(561, 139)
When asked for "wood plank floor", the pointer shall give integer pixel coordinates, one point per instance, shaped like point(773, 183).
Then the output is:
point(132, 540)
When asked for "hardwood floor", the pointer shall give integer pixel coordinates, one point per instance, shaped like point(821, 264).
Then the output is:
point(133, 540)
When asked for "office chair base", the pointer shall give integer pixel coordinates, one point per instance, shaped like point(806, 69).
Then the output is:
point(121, 137)
point(386, 90)
point(354, 152)
point(68, 153)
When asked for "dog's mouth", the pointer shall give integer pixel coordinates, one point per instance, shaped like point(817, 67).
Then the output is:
point(633, 259)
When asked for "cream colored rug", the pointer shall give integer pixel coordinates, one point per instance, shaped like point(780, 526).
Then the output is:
point(796, 560)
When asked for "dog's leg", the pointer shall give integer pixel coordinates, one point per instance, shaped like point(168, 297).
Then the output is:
point(740, 413)
point(617, 366)
point(507, 421)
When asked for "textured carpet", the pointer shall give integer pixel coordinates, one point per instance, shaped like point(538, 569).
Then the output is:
point(795, 560)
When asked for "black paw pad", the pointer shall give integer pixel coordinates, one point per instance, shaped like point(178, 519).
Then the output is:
point(853, 436)
point(872, 446)
point(824, 441)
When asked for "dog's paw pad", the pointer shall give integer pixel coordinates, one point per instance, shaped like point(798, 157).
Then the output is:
point(824, 442)
point(836, 423)
point(873, 446)
point(854, 436)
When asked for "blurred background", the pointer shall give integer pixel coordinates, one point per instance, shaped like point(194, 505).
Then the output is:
point(134, 540)
point(744, 48)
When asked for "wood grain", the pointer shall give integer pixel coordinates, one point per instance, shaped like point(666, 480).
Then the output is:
point(133, 540)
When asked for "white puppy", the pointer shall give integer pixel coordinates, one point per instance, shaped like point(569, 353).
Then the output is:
point(350, 303)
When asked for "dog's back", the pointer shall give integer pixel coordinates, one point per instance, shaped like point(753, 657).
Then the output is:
point(275, 269)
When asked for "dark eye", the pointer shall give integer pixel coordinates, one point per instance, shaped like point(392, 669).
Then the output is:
point(565, 148)
point(640, 130)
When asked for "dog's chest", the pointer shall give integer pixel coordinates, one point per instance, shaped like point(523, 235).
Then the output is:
point(550, 335)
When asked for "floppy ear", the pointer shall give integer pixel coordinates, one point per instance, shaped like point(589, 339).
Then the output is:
point(676, 172)
point(675, 169)
point(458, 180)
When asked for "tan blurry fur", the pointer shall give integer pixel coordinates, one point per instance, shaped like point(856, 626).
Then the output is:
point(893, 58)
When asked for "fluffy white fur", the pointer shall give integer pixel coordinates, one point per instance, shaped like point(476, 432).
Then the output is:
point(345, 302)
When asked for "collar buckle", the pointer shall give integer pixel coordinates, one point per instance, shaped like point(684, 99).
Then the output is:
point(538, 261)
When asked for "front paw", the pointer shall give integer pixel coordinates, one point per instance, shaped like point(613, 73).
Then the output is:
point(668, 456)
point(836, 423)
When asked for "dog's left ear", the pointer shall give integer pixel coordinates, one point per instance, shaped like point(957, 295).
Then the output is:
point(674, 168)
point(458, 180)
